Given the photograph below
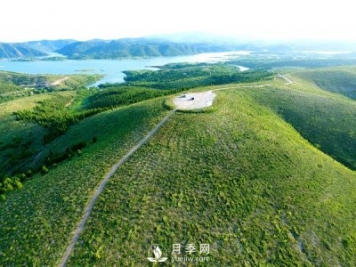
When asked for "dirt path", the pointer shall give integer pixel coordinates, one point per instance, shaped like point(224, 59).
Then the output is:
point(88, 209)
point(289, 81)
point(59, 81)
point(70, 103)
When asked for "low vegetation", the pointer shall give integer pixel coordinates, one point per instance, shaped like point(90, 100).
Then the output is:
point(185, 76)
point(49, 205)
point(204, 180)
point(15, 85)
point(133, 48)
point(50, 118)
point(258, 177)
point(337, 80)
point(113, 96)
point(326, 120)
point(54, 115)
point(284, 60)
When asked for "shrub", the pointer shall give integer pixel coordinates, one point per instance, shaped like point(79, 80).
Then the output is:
point(44, 170)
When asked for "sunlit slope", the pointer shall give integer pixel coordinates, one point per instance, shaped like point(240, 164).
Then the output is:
point(240, 179)
point(18, 139)
point(326, 119)
point(340, 80)
point(37, 221)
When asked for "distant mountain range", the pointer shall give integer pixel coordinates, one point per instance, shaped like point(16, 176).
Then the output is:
point(18, 50)
point(32, 49)
point(107, 49)
point(155, 46)
point(126, 48)
point(48, 46)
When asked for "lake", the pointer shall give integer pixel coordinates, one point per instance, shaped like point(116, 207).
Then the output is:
point(112, 69)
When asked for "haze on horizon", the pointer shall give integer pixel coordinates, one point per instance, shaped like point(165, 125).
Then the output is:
point(23, 20)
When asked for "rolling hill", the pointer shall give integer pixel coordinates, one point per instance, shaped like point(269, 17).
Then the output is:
point(239, 179)
point(48, 46)
point(179, 44)
point(341, 80)
point(18, 50)
point(112, 49)
point(15, 85)
point(31, 49)
point(139, 47)
point(322, 114)
point(242, 177)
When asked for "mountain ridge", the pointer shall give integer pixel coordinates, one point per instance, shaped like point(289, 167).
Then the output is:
point(141, 47)
point(177, 44)
point(48, 46)
point(15, 50)
point(111, 49)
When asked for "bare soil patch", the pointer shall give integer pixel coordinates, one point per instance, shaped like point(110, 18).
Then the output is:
point(194, 100)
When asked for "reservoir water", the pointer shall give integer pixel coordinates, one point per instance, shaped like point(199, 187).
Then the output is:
point(112, 69)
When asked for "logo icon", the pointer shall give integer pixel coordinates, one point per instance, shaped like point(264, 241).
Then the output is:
point(158, 255)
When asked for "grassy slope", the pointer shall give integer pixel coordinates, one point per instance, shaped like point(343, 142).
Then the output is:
point(18, 133)
point(202, 179)
point(326, 119)
point(340, 80)
point(240, 179)
point(15, 85)
point(36, 222)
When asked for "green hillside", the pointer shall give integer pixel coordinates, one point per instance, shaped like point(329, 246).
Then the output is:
point(240, 179)
point(340, 80)
point(18, 139)
point(13, 50)
point(264, 178)
point(15, 85)
point(33, 125)
point(137, 47)
point(327, 120)
point(181, 76)
point(48, 46)
point(48, 207)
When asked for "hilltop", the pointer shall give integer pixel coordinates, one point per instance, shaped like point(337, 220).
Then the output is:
point(257, 176)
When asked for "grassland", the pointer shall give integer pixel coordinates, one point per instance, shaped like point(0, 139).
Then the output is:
point(18, 137)
point(16, 85)
point(341, 80)
point(239, 179)
point(56, 114)
point(186, 76)
point(123, 95)
point(48, 206)
point(325, 119)
point(247, 178)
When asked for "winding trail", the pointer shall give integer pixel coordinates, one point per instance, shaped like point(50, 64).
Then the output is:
point(289, 81)
point(59, 81)
point(88, 209)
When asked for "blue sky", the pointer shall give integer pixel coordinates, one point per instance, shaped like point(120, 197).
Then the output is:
point(23, 20)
